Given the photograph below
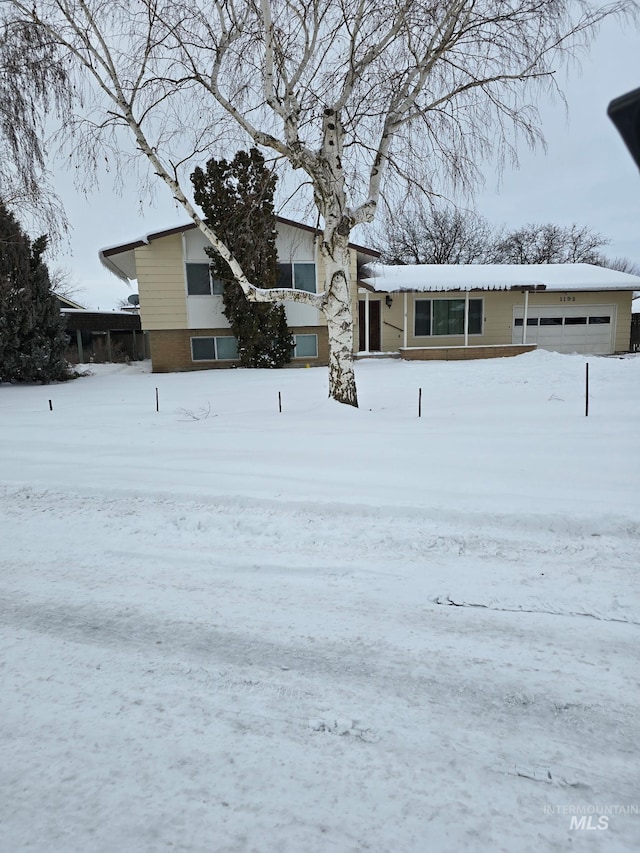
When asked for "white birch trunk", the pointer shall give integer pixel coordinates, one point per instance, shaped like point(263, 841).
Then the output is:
point(339, 314)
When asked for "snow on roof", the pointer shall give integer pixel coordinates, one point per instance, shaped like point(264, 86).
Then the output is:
point(442, 277)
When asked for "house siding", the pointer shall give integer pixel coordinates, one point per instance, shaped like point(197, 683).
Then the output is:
point(161, 284)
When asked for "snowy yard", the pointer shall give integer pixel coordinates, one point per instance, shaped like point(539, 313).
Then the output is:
point(230, 629)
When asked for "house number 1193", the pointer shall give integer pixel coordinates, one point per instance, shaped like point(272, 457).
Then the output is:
point(567, 299)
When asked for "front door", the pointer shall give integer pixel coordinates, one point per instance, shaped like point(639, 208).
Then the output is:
point(374, 325)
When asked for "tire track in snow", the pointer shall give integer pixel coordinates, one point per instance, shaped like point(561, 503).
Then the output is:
point(449, 602)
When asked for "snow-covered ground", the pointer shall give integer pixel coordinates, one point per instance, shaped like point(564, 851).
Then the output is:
point(226, 628)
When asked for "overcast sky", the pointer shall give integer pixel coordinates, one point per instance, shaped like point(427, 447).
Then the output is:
point(586, 177)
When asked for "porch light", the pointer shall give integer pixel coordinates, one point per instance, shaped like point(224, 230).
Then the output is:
point(388, 300)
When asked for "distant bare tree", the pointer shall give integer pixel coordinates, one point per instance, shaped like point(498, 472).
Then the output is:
point(622, 265)
point(550, 244)
point(33, 82)
point(423, 234)
point(352, 94)
point(426, 234)
point(63, 284)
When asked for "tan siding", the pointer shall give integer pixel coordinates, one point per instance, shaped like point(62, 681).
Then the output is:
point(623, 328)
point(392, 337)
point(161, 284)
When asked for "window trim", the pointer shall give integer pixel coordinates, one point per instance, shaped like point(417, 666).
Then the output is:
point(431, 300)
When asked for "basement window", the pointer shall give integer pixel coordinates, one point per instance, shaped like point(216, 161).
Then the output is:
point(223, 348)
point(305, 346)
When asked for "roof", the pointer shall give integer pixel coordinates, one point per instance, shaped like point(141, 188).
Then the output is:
point(444, 277)
point(65, 302)
point(125, 266)
point(96, 321)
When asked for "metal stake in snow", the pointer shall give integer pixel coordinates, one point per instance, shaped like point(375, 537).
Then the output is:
point(279, 402)
point(50, 406)
point(586, 392)
point(419, 402)
point(157, 402)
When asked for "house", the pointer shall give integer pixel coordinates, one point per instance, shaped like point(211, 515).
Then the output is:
point(482, 310)
point(428, 311)
point(181, 305)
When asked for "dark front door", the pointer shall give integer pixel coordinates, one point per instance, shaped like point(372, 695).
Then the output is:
point(374, 325)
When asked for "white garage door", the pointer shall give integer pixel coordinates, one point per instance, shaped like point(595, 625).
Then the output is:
point(568, 328)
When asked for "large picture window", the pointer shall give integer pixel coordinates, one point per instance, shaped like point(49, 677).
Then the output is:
point(224, 348)
point(200, 281)
point(440, 317)
point(300, 276)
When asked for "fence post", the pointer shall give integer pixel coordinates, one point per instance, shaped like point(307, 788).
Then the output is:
point(586, 391)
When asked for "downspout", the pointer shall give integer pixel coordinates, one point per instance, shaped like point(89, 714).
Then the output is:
point(404, 321)
point(366, 321)
point(466, 318)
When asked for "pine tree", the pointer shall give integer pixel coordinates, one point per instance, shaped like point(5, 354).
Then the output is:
point(236, 198)
point(33, 340)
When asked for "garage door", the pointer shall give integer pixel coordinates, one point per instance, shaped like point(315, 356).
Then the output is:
point(568, 328)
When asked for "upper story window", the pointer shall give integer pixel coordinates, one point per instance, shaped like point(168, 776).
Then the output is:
point(446, 317)
point(300, 276)
point(200, 282)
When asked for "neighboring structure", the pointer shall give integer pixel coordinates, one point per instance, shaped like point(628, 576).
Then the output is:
point(104, 336)
point(181, 306)
point(479, 310)
point(101, 335)
point(429, 311)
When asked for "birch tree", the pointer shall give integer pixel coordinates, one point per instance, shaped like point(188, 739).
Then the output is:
point(355, 96)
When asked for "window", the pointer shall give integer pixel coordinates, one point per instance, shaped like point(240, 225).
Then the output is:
point(200, 282)
point(550, 321)
point(531, 321)
point(301, 276)
point(575, 321)
point(598, 321)
point(423, 318)
point(305, 346)
point(446, 317)
point(214, 349)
